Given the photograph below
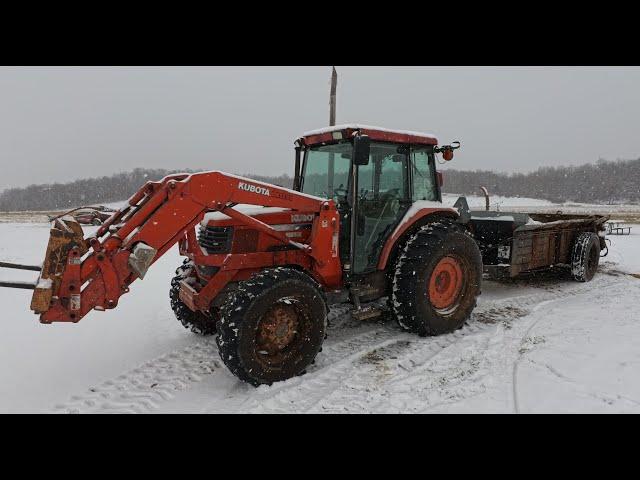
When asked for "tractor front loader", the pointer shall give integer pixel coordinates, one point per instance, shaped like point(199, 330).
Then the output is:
point(363, 221)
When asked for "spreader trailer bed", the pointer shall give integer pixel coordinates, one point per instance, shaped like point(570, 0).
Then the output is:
point(513, 243)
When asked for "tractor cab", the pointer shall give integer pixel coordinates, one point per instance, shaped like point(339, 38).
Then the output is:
point(374, 175)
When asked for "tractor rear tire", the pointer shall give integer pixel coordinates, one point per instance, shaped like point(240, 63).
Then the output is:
point(272, 327)
point(585, 256)
point(437, 279)
point(197, 322)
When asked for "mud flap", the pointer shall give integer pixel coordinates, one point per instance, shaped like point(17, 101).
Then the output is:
point(66, 233)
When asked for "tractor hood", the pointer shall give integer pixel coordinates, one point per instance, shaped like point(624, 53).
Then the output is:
point(268, 215)
point(220, 233)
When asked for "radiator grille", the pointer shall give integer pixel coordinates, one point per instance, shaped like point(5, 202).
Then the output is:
point(215, 239)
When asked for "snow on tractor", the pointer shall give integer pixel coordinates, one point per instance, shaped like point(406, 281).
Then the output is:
point(364, 220)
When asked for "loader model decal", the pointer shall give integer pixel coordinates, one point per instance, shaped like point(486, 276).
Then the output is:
point(299, 218)
point(247, 187)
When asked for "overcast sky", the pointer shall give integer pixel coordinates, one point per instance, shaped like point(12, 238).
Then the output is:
point(59, 124)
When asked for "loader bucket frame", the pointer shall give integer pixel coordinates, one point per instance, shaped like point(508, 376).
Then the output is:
point(80, 274)
point(65, 250)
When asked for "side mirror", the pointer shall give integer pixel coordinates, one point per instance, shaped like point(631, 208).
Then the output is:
point(361, 150)
point(447, 150)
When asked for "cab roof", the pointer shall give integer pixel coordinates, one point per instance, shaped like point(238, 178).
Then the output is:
point(340, 132)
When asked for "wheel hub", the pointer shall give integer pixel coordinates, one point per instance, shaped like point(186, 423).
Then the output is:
point(445, 283)
point(277, 329)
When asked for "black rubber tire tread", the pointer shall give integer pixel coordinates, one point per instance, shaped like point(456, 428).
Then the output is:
point(585, 256)
point(421, 253)
point(197, 322)
point(241, 314)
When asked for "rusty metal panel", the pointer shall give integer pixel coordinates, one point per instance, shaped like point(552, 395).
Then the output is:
point(533, 250)
point(566, 242)
point(65, 234)
point(540, 251)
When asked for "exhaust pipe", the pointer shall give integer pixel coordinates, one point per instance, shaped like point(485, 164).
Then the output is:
point(485, 192)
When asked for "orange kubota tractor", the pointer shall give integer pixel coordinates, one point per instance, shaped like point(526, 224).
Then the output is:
point(363, 221)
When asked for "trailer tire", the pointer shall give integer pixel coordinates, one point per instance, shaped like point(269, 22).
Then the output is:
point(585, 256)
point(272, 327)
point(437, 279)
point(197, 322)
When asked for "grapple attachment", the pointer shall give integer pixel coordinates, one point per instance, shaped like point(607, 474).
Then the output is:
point(65, 248)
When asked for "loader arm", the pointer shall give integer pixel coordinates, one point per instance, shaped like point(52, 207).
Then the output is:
point(82, 274)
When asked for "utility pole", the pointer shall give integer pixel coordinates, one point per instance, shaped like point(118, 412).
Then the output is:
point(332, 98)
point(332, 122)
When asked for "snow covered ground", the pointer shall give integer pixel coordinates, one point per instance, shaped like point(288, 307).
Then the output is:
point(552, 345)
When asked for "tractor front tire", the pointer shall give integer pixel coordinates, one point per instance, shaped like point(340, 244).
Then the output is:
point(272, 327)
point(437, 279)
point(585, 256)
point(197, 322)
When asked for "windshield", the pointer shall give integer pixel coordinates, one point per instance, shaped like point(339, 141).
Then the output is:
point(326, 170)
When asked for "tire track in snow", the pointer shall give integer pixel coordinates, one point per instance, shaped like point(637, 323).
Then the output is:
point(332, 387)
point(526, 337)
point(145, 388)
point(411, 354)
point(521, 353)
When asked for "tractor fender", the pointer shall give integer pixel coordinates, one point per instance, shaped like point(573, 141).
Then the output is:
point(413, 219)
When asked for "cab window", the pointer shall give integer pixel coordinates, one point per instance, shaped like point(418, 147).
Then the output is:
point(326, 170)
point(423, 175)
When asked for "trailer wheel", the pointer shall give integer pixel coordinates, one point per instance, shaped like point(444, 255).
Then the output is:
point(197, 322)
point(585, 257)
point(272, 327)
point(437, 279)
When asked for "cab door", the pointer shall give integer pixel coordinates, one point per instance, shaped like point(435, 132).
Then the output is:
point(327, 173)
point(383, 198)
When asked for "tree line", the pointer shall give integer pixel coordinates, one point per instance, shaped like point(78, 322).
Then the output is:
point(608, 182)
point(603, 182)
point(93, 191)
